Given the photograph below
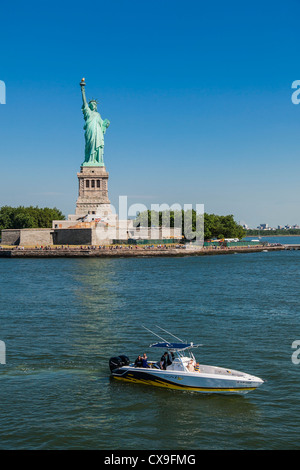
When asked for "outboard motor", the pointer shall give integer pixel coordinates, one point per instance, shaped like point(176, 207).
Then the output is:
point(125, 360)
point(118, 361)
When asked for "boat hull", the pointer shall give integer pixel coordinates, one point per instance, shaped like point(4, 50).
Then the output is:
point(195, 382)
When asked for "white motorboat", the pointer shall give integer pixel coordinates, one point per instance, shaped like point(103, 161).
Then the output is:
point(182, 372)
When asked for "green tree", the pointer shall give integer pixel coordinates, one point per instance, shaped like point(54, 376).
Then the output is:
point(192, 224)
point(28, 217)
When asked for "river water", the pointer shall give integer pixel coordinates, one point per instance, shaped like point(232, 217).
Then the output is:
point(62, 319)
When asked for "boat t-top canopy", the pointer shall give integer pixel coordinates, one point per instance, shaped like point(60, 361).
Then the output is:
point(171, 346)
point(174, 346)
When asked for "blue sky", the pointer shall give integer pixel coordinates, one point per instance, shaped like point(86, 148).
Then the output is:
point(198, 95)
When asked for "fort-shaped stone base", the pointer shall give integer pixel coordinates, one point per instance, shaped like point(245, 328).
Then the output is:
point(93, 192)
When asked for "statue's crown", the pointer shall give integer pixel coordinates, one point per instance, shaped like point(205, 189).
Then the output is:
point(93, 101)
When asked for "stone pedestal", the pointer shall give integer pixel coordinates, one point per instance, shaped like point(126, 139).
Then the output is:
point(93, 192)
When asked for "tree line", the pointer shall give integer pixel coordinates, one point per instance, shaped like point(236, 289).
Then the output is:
point(205, 225)
point(28, 217)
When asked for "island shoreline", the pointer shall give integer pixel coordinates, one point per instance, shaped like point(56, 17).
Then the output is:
point(130, 253)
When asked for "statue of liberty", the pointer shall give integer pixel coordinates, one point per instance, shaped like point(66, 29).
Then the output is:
point(95, 129)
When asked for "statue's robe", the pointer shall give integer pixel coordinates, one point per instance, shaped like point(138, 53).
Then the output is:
point(95, 129)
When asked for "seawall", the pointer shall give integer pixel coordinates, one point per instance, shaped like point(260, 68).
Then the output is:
point(125, 252)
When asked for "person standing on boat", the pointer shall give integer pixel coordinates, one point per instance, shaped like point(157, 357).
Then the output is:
point(164, 361)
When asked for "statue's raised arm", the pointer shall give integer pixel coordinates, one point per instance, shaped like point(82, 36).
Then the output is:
point(82, 86)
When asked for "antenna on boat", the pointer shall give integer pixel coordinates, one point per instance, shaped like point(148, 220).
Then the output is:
point(169, 333)
point(155, 334)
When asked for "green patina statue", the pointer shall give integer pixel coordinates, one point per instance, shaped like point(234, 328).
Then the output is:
point(95, 129)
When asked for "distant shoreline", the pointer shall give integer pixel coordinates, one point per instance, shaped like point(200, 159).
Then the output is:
point(267, 236)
